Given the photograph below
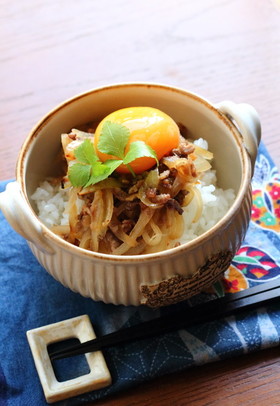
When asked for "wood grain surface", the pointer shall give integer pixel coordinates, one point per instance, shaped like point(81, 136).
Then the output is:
point(220, 49)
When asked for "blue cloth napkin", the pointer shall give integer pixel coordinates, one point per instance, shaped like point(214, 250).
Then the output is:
point(31, 298)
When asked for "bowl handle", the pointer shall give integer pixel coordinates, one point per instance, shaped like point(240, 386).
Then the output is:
point(20, 216)
point(247, 120)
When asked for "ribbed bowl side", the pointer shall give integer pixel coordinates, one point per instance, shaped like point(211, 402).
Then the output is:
point(121, 283)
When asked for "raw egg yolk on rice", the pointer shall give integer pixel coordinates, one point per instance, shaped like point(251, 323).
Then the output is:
point(146, 124)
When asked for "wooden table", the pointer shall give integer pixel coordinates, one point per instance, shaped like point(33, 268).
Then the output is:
point(221, 49)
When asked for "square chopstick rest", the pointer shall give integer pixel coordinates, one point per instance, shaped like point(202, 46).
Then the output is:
point(77, 327)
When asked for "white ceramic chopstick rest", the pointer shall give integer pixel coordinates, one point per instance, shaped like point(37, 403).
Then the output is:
point(77, 327)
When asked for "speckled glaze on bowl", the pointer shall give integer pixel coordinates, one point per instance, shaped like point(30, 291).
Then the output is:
point(159, 279)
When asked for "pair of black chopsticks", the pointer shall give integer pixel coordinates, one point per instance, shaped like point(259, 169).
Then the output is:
point(232, 303)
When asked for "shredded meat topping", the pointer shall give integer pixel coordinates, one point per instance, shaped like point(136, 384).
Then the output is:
point(174, 204)
point(136, 187)
point(184, 148)
point(131, 210)
point(120, 194)
point(166, 177)
point(160, 198)
point(163, 175)
point(181, 196)
point(111, 240)
point(72, 136)
point(127, 225)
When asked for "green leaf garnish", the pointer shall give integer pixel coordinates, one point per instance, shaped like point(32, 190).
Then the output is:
point(98, 173)
point(79, 174)
point(139, 149)
point(85, 153)
point(101, 171)
point(112, 141)
point(113, 164)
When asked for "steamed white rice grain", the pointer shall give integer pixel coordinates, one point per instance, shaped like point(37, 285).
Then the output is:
point(201, 143)
point(51, 201)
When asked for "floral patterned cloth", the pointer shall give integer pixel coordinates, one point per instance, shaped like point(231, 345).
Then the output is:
point(258, 258)
point(30, 298)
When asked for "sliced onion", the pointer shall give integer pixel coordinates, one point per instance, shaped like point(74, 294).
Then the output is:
point(116, 228)
point(170, 161)
point(177, 186)
point(109, 207)
point(121, 249)
point(156, 237)
point(65, 141)
point(86, 240)
point(72, 208)
point(152, 179)
point(81, 134)
point(177, 227)
point(110, 183)
point(204, 153)
point(97, 215)
point(188, 198)
point(184, 167)
point(143, 197)
point(162, 246)
point(201, 165)
point(132, 197)
point(70, 148)
point(61, 230)
point(139, 249)
point(144, 218)
point(199, 204)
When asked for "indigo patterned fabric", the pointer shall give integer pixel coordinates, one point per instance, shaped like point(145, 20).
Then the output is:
point(31, 298)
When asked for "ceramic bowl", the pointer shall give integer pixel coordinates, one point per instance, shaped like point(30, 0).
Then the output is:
point(158, 279)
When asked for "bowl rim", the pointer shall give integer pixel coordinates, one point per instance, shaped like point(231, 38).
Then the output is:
point(152, 257)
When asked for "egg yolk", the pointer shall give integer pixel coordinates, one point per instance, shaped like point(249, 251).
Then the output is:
point(147, 124)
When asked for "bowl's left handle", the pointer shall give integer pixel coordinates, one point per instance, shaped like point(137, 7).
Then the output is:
point(20, 216)
point(246, 119)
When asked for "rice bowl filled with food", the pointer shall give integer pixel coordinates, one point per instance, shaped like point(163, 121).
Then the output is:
point(135, 184)
point(136, 193)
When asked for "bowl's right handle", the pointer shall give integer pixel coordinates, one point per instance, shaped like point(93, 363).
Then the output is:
point(246, 119)
point(21, 218)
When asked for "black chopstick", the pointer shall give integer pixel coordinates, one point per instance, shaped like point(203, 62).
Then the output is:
point(232, 303)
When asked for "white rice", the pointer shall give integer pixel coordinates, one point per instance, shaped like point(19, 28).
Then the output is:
point(52, 201)
point(216, 203)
